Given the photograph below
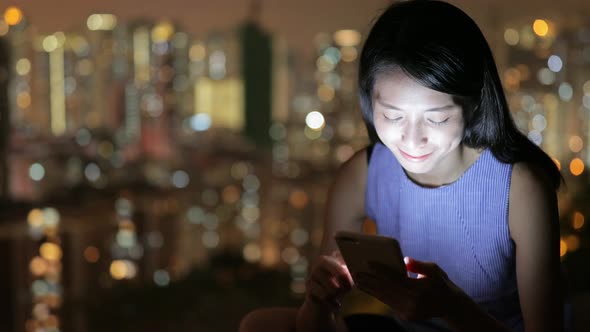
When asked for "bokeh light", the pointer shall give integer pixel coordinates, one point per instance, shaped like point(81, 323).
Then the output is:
point(315, 120)
point(578, 220)
point(13, 15)
point(540, 27)
point(91, 254)
point(347, 37)
point(577, 166)
point(50, 251)
point(511, 37)
point(576, 144)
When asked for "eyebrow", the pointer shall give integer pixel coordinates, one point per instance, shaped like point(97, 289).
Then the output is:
point(434, 109)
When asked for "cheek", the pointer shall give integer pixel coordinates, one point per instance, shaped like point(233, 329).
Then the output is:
point(452, 137)
point(387, 132)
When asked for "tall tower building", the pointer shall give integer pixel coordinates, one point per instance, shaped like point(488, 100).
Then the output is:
point(256, 46)
point(4, 118)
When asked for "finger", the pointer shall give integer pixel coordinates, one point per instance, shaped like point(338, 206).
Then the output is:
point(326, 280)
point(319, 296)
point(339, 270)
point(336, 285)
point(427, 269)
point(337, 255)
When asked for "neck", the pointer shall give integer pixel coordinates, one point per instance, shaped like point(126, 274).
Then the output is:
point(450, 170)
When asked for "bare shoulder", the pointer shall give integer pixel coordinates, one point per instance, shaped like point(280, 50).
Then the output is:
point(528, 182)
point(350, 182)
point(354, 171)
point(533, 202)
point(345, 204)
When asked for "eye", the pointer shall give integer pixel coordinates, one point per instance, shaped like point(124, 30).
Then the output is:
point(391, 117)
point(438, 123)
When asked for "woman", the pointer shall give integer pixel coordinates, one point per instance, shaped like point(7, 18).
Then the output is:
point(471, 200)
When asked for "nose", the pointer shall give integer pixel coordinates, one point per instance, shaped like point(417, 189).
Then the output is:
point(414, 135)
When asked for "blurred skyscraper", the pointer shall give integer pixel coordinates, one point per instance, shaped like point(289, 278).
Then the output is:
point(256, 47)
point(4, 118)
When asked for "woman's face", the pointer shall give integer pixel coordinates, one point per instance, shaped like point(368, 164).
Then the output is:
point(421, 127)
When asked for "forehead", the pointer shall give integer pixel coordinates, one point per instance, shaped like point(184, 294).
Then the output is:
point(399, 89)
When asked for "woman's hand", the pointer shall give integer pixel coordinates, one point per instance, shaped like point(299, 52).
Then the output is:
point(328, 282)
point(429, 295)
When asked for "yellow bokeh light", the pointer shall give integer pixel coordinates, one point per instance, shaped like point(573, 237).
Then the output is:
point(586, 88)
point(13, 15)
point(540, 27)
point(577, 166)
point(101, 22)
point(562, 248)
point(197, 52)
point(163, 31)
point(576, 144)
point(94, 22)
point(118, 269)
point(347, 37)
point(23, 100)
point(38, 266)
point(348, 53)
point(35, 218)
point(50, 251)
point(298, 199)
point(50, 43)
point(91, 254)
point(578, 220)
point(23, 66)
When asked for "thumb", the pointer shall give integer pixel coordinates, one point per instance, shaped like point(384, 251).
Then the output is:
point(423, 269)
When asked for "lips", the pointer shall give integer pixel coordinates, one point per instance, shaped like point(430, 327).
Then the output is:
point(415, 158)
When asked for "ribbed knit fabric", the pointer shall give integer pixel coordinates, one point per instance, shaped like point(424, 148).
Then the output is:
point(462, 227)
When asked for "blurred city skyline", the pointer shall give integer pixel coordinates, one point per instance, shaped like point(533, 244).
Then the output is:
point(159, 150)
point(296, 20)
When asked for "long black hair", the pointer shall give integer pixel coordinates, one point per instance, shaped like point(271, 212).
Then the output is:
point(443, 49)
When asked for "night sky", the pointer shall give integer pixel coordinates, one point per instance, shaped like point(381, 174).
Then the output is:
point(297, 20)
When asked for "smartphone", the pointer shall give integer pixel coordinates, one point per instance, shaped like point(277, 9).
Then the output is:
point(358, 249)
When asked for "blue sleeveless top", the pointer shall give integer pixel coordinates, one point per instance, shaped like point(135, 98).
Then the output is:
point(462, 227)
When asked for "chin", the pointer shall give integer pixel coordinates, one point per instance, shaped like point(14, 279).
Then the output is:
point(416, 169)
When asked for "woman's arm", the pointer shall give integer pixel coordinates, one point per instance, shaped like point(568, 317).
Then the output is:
point(534, 227)
point(344, 210)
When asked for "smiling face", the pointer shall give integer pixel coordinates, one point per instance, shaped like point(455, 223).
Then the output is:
point(423, 128)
